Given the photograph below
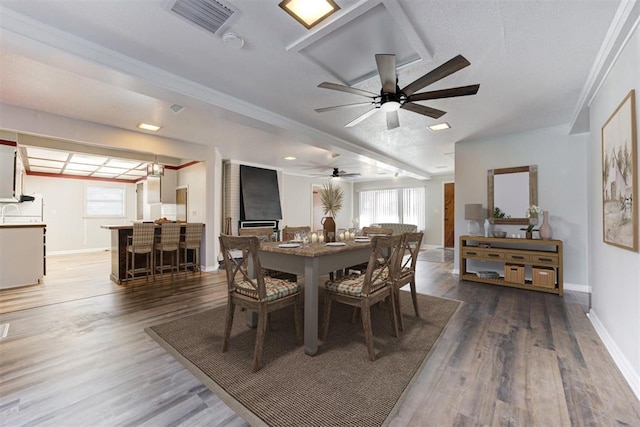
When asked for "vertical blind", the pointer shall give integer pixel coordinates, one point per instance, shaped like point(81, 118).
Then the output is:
point(405, 206)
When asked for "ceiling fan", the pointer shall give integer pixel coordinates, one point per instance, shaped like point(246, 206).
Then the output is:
point(337, 173)
point(392, 98)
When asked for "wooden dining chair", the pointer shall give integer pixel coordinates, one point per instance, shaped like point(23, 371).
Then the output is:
point(404, 271)
point(257, 292)
point(364, 290)
point(289, 233)
point(369, 231)
point(266, 234)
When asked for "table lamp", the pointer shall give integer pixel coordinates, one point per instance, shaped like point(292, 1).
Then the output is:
point(473, 214)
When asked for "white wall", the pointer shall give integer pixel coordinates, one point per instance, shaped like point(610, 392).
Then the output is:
point(68, 230)
point(614, 272)
point(562, 189)
point(194, 178)
point(297, 201)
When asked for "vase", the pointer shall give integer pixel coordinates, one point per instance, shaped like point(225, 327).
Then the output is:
point(329, 229)
point(545, 228)
point(529, 235)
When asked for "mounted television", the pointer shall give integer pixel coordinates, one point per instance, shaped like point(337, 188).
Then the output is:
point(259, 194)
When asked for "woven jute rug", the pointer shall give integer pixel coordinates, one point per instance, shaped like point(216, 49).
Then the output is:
point(337, 387)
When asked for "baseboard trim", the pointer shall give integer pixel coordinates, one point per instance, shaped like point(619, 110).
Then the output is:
point(78, 251)
point(619, 359)
point(576, 287)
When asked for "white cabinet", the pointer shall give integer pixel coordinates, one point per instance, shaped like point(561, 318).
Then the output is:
point(21, 254)
point(9, 171)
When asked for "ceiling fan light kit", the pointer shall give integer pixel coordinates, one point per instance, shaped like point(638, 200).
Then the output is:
point(392, 98)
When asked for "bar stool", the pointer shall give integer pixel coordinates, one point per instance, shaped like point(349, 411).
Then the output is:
point(141, 242)
point(169, 242)
point(192, 238)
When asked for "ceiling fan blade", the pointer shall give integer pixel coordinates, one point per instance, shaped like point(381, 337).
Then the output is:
point(445, 93)
point(348, 89)
point(350, 174)
point(425, 111)
point(392, 120)
point(387, 71)
point(449, 67)
point(360, 118)
point(358, 104)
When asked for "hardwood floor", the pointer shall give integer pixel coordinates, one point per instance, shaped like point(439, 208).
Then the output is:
point(77, 354)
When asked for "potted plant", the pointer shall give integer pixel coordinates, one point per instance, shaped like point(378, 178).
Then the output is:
point(532, 213)
point(331, 199)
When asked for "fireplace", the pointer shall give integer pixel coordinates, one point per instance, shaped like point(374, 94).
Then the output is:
point(251, 198)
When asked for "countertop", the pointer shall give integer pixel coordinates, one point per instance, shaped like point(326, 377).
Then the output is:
point(130, 226)
point(24, 225)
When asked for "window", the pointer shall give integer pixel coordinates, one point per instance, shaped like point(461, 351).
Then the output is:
point(104, 201)
point(405, 206)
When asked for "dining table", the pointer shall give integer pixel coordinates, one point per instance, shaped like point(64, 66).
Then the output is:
point(309, 262)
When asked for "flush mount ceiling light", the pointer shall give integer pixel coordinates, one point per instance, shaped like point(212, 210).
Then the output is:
point(309, 12)
point(147, 126)
point(439, 126)
point(289, 158)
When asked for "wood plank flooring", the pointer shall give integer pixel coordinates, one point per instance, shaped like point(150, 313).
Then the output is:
point(77, 354)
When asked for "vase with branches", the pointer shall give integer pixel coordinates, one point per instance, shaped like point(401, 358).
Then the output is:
point(331, 197)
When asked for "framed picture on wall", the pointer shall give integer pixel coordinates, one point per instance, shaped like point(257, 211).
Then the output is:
point(619, 176)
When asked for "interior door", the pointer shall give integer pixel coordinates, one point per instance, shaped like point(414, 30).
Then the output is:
point(449, 215)
point(181, 204)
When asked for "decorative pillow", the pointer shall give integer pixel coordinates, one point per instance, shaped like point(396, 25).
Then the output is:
point(276, 288)
point(352, 284)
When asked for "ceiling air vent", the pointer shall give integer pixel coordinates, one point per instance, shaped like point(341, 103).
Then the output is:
point(208, 14)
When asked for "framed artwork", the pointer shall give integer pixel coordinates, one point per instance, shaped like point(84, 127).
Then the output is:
point(619, 176)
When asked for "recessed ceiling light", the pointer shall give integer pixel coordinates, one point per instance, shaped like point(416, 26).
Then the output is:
point(439, 126)
point(146, 126)
point(289, 158)
point(309, 12)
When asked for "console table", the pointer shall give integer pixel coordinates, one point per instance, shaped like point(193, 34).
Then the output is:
point(532, 264)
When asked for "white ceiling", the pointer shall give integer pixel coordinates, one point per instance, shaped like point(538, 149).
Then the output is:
point(118, 63)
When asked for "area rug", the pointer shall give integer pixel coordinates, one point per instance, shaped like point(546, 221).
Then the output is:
point(337, 387)
point(436, 255)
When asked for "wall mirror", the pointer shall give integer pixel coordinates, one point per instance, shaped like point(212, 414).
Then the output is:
point(512, 191)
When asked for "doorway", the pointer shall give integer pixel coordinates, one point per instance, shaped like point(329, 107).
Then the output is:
point(449, 215)
point(181, 204)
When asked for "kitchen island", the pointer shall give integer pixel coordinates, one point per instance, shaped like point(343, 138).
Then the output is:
point(119, 236)
point(22, 254)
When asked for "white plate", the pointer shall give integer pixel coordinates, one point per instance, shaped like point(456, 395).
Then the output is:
point(289, 245)
point(336, 244)
point(363, 240)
